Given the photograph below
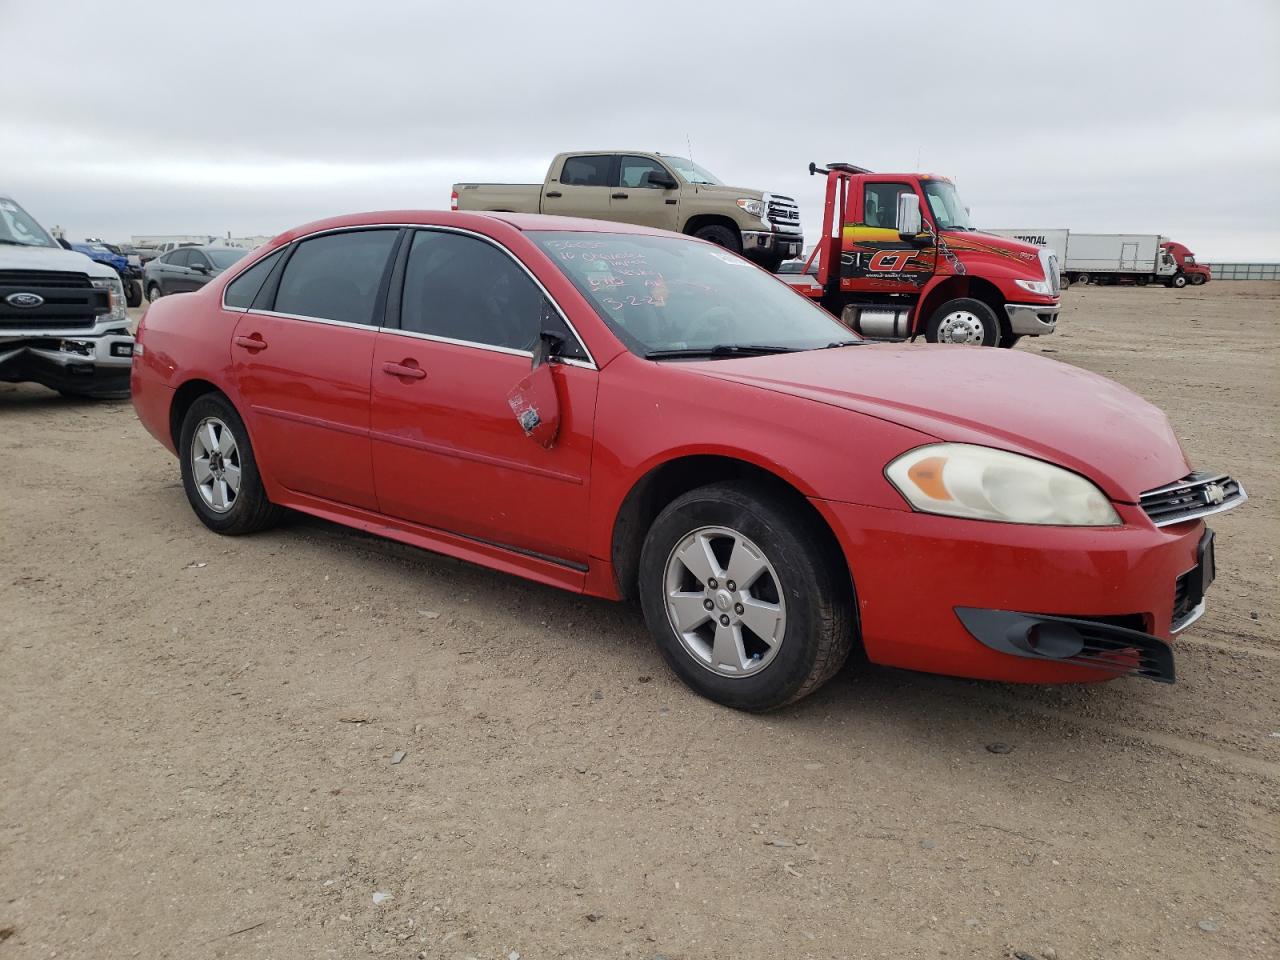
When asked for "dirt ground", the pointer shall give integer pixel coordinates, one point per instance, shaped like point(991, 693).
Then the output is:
point(196, 735)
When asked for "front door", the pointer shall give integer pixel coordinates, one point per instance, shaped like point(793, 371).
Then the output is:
point(303, 366)
point(448, 451)
point(635, 200)
point(581, 187)
point(874, 258)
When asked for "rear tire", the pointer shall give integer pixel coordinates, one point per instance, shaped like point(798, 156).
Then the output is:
point(1197, 279)
point(964, 321)
point(223, 504)
point(1083, 279)
point(1142, 279)
point(794, 585)
point(721, 236)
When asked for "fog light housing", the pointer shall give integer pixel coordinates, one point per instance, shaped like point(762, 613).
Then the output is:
point(82, 348)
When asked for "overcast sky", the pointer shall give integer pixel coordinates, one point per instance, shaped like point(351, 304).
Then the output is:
point(177, 116)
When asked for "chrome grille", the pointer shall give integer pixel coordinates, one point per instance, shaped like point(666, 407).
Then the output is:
point(784, 213)
point(1197, 494)
point(1052, 274)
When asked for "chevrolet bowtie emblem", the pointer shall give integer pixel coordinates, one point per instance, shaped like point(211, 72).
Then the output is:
point(1214, 494)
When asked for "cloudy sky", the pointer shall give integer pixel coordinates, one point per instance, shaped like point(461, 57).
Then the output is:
point(176, 116)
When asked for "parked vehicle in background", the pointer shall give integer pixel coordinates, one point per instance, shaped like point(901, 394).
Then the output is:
point(653, 190)
point(1189, 271)
point(130, 275)
point(899, 258)
point(1137, 258)
point(187, 268)
point(63, 321)
point(625, 412)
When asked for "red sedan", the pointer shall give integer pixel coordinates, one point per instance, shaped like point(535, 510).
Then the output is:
point(629, 413)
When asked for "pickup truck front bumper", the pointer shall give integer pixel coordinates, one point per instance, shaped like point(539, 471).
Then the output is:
point(1032, 320)
point(766, 241)
point(95, 366)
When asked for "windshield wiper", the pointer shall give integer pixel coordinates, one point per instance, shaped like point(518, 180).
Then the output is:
point(720, 350)
point(845, 343)
point(17, 243)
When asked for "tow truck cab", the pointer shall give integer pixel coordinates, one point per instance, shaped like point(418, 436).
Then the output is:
point(898, 258)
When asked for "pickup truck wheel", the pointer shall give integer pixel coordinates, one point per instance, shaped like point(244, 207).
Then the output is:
point(721, 236)
point(963, 320)
point(219, 472)
point(744, 603)
point(132, 293)
point(1180, 281)
point(153, 292)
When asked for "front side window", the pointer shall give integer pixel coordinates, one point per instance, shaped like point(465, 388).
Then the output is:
point(672, 295)
point(179, 258)
point(586, 171)
point(880, 204)
point(197, 259)
point(225, 256)
point(635, 171)
point(241, 291)
point(336, 276)
point(947, 207)
point(19, 228)
point(462, 288)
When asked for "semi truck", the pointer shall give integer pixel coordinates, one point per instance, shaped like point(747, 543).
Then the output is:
point(1138, 258)
point(654, 190)
point(898, 258)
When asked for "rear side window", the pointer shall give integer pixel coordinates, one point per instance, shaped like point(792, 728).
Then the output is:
point(586, 171)
point(336, 277)
point(241, 291)
point(465, 289)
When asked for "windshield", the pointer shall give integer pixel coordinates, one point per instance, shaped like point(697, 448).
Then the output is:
point(948, 209)
point(661, 294)
point(691, 172)
point(18, 227)
point(225, 257)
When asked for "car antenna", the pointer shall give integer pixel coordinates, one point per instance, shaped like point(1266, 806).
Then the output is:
point(688, 142)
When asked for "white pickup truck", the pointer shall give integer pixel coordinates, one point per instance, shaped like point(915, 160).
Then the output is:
point(63, 321)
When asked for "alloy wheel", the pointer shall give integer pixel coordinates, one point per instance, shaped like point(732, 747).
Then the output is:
point(215, 464)
point(725, 601)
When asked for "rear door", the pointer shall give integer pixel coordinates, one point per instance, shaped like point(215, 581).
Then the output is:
point(448, 451)
point(874, 258)
point(301, 357)
point(635, 200)
point(581, 187)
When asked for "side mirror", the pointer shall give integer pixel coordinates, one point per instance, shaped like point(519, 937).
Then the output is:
point(534, 400)
point(199, 268)
point(662, 179)
point(547, 347)
point(909, 221)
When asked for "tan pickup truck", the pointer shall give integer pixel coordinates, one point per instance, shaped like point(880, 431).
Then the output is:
point(655, 190)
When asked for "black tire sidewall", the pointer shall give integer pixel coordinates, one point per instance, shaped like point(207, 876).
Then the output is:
point(158, 292)
point(240, 517)
point(993, 331)
point(806, 583)
point(721, 236)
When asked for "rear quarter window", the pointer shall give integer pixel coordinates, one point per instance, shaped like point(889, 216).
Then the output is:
point(241, 291)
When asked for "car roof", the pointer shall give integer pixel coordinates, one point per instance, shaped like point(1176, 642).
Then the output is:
point(469, 220)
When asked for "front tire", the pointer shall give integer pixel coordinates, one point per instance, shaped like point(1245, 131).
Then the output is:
point(721, 236)
point(153, 292)
point(1197, 279)
point(219, 471)
point(1179, 281)
point(964, 321)
point(745, 603)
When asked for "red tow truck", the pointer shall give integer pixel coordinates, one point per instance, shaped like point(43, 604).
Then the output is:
point(899, 258)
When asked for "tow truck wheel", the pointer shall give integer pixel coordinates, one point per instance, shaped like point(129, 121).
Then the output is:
point(721, 237)
point(1180, 281)
point(964, 320)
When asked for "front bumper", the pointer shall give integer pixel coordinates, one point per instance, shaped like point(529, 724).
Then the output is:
point(94, 365)
point(766, 241)
point(1032, 320)
point(913, 571)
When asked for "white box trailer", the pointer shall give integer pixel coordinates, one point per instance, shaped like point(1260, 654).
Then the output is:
point(1113, 257)
point(1054, 239)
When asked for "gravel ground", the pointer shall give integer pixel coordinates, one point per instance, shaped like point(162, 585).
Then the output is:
point(196, 735)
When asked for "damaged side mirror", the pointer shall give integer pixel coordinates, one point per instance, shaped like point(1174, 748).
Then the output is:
point(534, 400)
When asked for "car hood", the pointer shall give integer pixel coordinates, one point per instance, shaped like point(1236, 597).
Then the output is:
point(50, 258)
point(998, 398)
point(720, 189)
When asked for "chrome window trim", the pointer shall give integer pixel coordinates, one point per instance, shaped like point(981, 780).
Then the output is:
point(588, 364)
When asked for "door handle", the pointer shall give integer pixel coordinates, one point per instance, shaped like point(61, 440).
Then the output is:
point(618, 196)
point(407, 369)
point(554, 193)
point(253, 343)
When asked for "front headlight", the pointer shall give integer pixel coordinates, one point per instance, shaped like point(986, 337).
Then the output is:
point(980, 483)
point(116, 291)
point(1036, 286)
point(753, 207)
